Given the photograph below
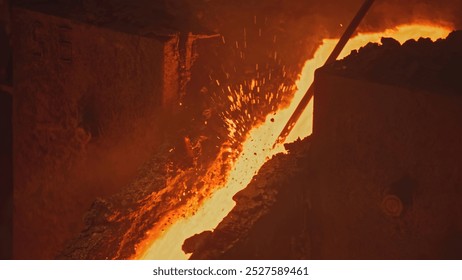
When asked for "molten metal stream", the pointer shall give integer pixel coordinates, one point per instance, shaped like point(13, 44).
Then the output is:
point(257, 148)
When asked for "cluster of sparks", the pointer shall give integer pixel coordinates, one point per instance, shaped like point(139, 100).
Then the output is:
point(245, 101)
point(255, 115)
point(245, 90)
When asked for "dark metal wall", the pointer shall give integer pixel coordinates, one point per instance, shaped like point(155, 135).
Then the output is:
point(6, 175)
point(6, 132)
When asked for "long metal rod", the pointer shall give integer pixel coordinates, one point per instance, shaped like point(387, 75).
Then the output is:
point(332, 57)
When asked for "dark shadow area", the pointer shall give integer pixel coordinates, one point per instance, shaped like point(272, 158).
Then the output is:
point(6, 176)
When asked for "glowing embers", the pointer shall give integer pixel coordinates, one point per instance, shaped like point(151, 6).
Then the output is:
point(206, 213)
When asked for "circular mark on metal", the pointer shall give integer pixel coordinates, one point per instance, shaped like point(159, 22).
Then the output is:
point(392, 205)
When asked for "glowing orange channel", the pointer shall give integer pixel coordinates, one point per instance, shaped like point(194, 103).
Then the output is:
point(257, 148)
